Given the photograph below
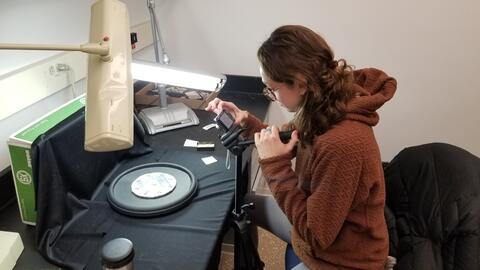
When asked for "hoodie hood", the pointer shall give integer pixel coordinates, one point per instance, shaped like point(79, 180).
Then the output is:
point(372, 89)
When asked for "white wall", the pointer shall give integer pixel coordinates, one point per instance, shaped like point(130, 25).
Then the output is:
point(49, 21)
point(46, 21)
point(431, 47)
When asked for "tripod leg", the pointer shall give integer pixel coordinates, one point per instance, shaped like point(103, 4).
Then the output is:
point(246, 253)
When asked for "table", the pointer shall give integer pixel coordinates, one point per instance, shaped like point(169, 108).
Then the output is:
point(75, 219)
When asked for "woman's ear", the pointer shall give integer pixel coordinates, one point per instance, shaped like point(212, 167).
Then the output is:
point(301, 84)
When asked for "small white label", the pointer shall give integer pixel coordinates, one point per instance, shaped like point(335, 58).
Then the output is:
point(209, 160)
point(210, 126)
point(190, 143)
point(29, 160)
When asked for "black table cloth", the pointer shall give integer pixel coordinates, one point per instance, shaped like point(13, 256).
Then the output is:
point(184, 239)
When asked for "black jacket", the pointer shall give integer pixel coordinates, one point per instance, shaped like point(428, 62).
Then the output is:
point(433, 208)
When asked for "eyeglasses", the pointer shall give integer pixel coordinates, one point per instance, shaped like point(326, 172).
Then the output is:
point(270, 93)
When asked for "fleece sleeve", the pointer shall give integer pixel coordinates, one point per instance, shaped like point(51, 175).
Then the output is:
point(252, 124)
point(317, 218)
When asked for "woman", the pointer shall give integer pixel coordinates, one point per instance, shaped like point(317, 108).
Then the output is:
point(334, 200)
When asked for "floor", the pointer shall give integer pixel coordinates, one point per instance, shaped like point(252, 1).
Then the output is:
point(10, 221)
point(270, 248)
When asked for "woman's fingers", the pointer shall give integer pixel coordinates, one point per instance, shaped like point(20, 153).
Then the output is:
point(212, 105)
point(256, 137)
point(293, 140)
point(217, 106)
point(274, 130)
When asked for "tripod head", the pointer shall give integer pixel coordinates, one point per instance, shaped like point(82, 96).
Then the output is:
point(231, 138)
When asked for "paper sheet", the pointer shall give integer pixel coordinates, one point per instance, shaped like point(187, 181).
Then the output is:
point(190, 143)
point(209, 160)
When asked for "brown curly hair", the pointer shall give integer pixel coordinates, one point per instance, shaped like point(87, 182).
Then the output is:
point(293, 50)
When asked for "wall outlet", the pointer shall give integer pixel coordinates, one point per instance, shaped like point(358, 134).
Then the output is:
point(144, 35)
point(53, 70)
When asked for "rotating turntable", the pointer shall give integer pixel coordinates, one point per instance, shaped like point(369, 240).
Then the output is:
point(152, 189)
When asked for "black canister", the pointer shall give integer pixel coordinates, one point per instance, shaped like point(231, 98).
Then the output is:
point(118, 254)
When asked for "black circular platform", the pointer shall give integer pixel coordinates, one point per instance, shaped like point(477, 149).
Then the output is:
point(152, 189)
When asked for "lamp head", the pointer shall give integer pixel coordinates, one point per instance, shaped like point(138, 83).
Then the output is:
point(109, 107)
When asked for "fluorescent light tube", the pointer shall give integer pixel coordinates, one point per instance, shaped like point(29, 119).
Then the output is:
point(157, 73)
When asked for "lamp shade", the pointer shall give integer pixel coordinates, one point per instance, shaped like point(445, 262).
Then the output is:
point(109, 109)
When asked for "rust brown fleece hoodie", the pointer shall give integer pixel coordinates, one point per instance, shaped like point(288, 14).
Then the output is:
point(335, 198)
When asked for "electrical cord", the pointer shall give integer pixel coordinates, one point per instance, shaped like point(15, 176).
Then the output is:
point(72, 80)
point(227, 160)
point(70, 76)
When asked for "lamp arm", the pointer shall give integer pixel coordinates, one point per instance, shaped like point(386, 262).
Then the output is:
point(156, 34)
point(93, 48)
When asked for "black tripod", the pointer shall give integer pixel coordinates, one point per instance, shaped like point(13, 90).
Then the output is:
point(245, 252)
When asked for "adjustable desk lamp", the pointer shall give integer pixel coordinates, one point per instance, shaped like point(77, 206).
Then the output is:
point(109, 108)
point(177, 115)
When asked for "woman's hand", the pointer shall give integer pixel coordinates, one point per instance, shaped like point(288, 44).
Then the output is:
point(217, 105)
point(269, 144)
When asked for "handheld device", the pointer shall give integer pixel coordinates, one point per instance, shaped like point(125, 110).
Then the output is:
point(225, 121)
point(231, 131)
